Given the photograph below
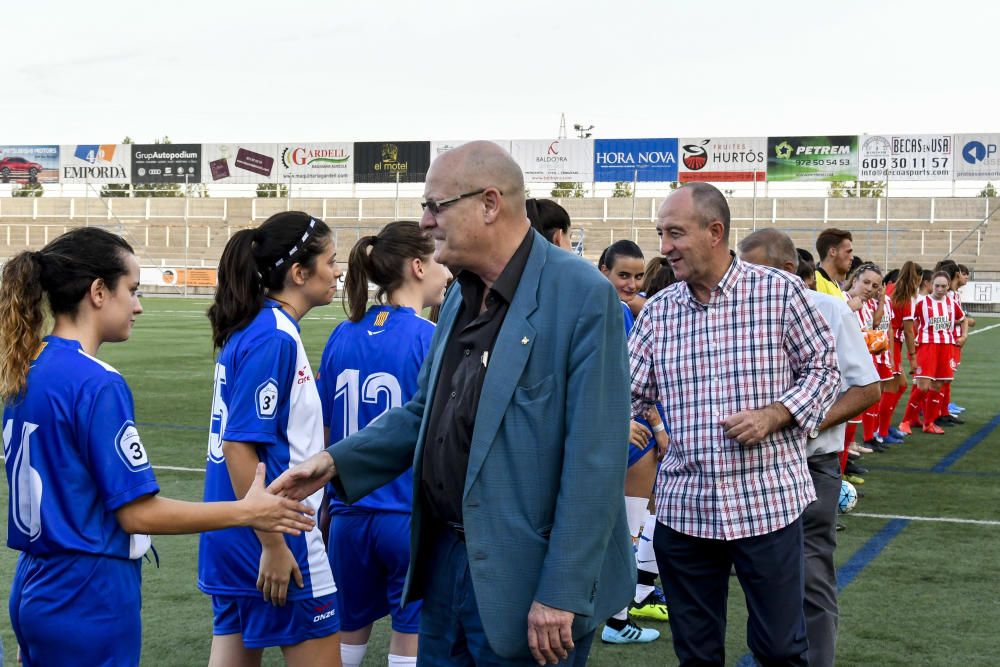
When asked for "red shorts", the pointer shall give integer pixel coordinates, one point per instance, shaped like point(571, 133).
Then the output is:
point(884, 370)
point(897, 357)
point(935, 361)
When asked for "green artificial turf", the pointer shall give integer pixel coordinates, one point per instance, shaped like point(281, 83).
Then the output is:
point(930, 597)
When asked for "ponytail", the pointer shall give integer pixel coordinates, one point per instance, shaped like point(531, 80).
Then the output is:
point(382, 259)
point(21, 319)
point(63, 271)
point(256, 261)
point(907, 284)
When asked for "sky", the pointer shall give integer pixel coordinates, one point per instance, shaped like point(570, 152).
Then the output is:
point(398, 70)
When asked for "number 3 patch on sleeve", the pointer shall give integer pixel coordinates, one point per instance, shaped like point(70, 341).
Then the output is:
point(267, 400)
point(130, 447)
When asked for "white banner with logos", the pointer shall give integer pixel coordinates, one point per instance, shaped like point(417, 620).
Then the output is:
point(238, 163)
point(977, 157)
point(438, 147)
point(551, 160)
point(976, 291)
point(316, 162)
point(907, 157)
point(95, 163)
point(723, 159)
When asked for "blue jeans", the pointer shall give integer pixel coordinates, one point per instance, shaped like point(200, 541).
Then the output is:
point(451, 631)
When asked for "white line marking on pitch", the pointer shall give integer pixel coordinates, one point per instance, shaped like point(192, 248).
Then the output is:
point(939, 519)
point(979, 331)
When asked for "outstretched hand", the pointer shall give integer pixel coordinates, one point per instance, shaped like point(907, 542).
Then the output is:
point(304, 479)
point(274, 514)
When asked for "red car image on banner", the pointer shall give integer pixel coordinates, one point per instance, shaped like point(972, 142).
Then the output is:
point(29, 164)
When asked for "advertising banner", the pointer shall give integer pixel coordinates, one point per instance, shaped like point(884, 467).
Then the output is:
point(238, 163)
point(94, 163)
point(723, 160)
point(173, 277)
point(812, 158)
point(977, 157)
point(29, 164)
point(316, 162)
point(549, 161)
point(906, 157)
point(438, 147)
point(641, 159)
point(980, 292)
point(383, 161)
point(166, 163)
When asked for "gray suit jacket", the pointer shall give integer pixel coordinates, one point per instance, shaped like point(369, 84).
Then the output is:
point(543, 505)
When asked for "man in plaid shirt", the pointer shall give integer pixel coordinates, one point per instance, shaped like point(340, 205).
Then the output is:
point(746, 369)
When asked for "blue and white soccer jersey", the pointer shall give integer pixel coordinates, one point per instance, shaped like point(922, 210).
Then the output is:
point(74, 457)
point(368, 368)
point(264, 394)
point(635, 454)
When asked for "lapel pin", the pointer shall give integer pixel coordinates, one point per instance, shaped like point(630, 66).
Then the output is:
point(524, 341)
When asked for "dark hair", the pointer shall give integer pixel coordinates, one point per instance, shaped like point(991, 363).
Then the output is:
point(963, 269)
point(831, 238)
point(807, 268)
point(941, 272)
point(861, 267)
point(926, 276)
point(622, 248)
point(709, 204)
point(907, 284)
point(949, 266)
point(255, 262)
point(382, 259)
point(547, 217)
point(63, 270)
point(891, 277)
point(659, 275)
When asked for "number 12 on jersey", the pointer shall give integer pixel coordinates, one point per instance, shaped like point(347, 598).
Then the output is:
point(381, 391)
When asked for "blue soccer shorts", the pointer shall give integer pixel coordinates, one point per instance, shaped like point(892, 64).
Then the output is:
point(369, 554)
point(263, 625)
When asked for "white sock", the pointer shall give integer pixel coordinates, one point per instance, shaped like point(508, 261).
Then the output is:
point(641, 591)
point(635, 514)
point(402, 660)
point(622, 615)
point(352, 654)
point(645, 556)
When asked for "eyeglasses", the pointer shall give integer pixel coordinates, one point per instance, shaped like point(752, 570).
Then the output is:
point(435, 207)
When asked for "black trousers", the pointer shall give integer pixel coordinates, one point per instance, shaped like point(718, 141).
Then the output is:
point(695, 576)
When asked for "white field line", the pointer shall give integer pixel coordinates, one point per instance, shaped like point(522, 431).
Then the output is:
point(937, 519)
point(175, 468)
point(979, 331)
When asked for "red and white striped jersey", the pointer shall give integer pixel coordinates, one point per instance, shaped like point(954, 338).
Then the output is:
point(935, 321)
point(898, 316)
point(958, 299)
point(865, 316)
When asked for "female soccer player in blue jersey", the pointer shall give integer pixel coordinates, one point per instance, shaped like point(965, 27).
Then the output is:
point(82, 495)
point(369, 366)
point(266, 408)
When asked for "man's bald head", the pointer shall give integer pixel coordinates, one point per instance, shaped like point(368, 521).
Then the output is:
point(481, 164)
point(769, 247)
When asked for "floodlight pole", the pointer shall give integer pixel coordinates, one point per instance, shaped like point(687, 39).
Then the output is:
point(187, 269)
point(635, 183)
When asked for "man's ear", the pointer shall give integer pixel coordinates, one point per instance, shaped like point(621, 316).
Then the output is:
point(492, 200)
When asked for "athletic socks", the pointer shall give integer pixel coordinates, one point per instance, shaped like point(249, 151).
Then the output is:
point(645, 556)
point(644, 586)
point(402, 660)
point(352, 654)
point(635, 514)
point(913, 407)
point(932, 406)
point(869, 422)
point(886, 408)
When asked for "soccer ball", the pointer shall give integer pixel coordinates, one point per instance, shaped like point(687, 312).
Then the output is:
point(848, 497)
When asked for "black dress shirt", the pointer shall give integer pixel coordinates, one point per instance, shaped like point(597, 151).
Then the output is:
point(464, 363)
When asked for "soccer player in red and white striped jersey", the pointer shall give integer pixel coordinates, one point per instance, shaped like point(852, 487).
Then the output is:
point(936, 318)
point(875, 314)
point(903, 297)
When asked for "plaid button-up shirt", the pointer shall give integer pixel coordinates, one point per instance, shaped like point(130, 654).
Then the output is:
point(757, 341)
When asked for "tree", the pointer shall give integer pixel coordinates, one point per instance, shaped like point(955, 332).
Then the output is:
point(568, 190)
point(989, 191)
point(872, 189)
point(28, 190)
point(272, 190)
point(623, 190)
point(153, 189)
